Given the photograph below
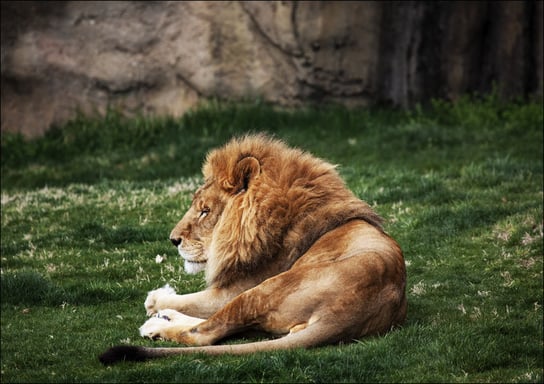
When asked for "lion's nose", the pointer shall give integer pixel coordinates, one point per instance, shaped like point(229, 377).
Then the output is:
point(176, 241)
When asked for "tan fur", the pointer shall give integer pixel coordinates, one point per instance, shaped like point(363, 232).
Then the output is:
point(288, 249)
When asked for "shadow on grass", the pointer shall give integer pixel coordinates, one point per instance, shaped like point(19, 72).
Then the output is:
point(31, 288)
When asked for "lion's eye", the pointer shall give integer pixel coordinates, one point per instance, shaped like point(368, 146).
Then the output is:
point(203, 213)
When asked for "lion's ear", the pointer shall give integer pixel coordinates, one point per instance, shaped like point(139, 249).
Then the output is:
point(244, 172)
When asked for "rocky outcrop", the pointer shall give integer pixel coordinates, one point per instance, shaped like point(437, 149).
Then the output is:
point(61, 58)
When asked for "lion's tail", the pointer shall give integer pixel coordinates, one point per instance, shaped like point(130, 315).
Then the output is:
point(303, 339)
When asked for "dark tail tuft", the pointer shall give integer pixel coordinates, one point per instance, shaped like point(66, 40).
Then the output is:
point(123, 353)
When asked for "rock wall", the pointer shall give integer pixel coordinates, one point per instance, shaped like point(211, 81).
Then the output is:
point(60, 58)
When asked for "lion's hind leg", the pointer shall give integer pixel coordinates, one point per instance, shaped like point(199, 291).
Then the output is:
point(304, 335)
point(167, 319)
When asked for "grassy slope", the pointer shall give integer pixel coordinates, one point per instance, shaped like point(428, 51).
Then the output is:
point(86, 209)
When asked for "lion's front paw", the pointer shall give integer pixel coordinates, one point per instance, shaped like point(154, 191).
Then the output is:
point(151, 302)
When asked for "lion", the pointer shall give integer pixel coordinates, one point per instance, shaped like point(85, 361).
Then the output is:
point(287, 249)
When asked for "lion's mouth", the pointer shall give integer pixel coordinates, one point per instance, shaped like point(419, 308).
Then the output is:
point(193, 263)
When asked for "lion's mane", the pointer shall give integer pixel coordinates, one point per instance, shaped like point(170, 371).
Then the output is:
point(280, 201)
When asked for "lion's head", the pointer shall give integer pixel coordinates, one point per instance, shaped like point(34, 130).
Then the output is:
point(224, 181)
point(262, 204)
point(193, 234)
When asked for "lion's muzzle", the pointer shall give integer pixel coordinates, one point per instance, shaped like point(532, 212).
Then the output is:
point(176, 241)
point(194, 256)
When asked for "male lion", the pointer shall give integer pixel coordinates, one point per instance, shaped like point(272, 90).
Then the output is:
point(287, 249)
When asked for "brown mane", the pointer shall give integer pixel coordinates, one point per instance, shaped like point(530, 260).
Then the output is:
point(282, 212)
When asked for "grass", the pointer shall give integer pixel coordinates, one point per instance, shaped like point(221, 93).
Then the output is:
point(86, 209)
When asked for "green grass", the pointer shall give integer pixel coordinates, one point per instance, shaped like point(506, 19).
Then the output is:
point(86, 209)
